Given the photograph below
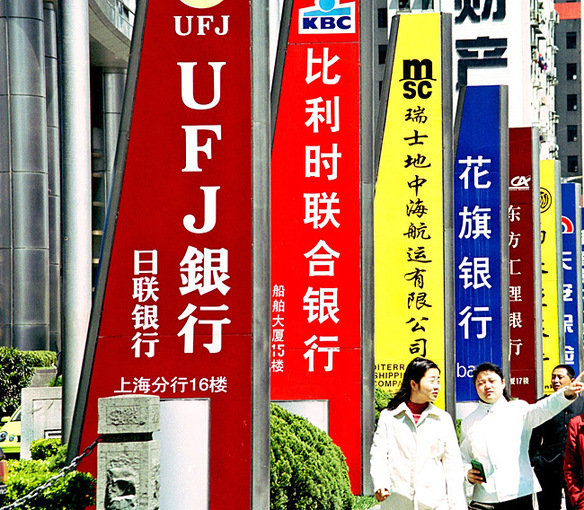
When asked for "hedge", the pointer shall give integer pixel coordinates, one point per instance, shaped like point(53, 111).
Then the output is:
point(382, 398)
point(74, 491)
point(307, 470)
point(44, 449)
point(41, 359)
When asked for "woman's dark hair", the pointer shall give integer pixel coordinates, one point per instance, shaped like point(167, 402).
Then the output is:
point(415, 370)
point(490, 367)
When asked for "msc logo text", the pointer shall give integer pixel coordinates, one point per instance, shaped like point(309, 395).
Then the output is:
point(417, 78)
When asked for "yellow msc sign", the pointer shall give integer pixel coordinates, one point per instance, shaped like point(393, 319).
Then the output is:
point(409, 220)
point(551, 278)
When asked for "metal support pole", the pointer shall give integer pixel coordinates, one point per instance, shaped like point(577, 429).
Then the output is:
point(76, 193)
point(54, 161)
point(114, 81)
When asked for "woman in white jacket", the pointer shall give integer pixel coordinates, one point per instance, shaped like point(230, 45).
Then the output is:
point(497, 434)
point(415, 459)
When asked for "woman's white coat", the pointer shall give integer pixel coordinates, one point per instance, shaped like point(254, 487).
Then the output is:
point(420, 464)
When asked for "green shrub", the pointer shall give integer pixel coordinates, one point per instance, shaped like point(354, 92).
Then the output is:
point(75, 491)
point(382, 398)
point(364, 502)
point(307, 470)
point(42, 449)
point(15, 374)
point(41, 359)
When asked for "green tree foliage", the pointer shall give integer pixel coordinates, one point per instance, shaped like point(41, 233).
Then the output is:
point(307, 470)
point(15, 373)
point(16, 370)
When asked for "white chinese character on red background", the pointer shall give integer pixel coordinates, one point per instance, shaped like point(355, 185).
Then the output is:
point(319, 210)
point(321, 304)
point(188, 330)
point(315, 160)
point(315, 347)
point(324, 64)
point(145, 262)
point(323, 112)
point(204, 271)
point(145, 288)
point(150, 339)
point(145, 317)
point(321, 260)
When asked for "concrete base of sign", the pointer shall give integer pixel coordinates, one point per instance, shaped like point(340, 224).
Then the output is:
point(128, 475)
point(128, 461)
point(41, 416)
point(136, 414)
point(315, 411)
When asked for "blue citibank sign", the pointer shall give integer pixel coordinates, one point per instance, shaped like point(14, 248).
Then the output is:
point(480, 232)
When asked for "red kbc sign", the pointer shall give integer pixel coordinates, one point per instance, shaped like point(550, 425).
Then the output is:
point(177, 310)
point(316, 231)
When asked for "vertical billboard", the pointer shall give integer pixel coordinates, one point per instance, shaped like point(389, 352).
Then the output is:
point(524, 257)
point(411, 207)
point(480, 233)
point(572, 273)
point(490, 41)
point(551, 269)
point(581, 213)
point(179, 298)
point(316, 221)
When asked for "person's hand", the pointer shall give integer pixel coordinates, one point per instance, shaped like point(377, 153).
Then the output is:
point(474, 476)
point(381, 494)
point(575, 387)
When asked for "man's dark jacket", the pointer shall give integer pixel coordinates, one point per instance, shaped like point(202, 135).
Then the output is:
point(548, 442)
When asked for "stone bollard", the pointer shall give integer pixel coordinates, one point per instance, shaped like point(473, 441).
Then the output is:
point(128, 459)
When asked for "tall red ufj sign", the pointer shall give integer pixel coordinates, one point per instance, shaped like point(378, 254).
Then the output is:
point(177, 293)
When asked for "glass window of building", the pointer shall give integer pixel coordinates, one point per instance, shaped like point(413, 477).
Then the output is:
point(572, 71)
point(571, 40)
point(572, 133)
point(572, 102)
point(382, 53)
point(572, 164)
point(382, 18)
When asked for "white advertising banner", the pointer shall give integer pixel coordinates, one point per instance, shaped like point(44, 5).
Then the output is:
point(491, 46)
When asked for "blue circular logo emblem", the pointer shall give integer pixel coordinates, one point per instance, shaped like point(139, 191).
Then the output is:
point(327, 5)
